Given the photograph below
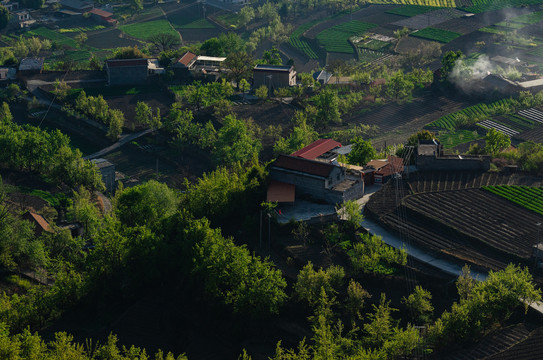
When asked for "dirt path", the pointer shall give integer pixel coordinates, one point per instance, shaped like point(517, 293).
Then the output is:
point(166, 17)
point(122, 141)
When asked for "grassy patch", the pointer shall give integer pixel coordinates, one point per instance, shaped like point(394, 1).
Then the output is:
point(198, 24)
point(182, 20)
point(411, 10)
point(373, 44)
point(480, 6)
point(115, 91)
point(53, 200)
point(146, 29)
point(229, 19)
point(454, 138)
point(82, 29)
point(529, 19)
point(53, 36)
point(336, 38)
point(443, 36)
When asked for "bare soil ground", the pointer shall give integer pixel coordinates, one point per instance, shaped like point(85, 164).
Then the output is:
point(109, 38)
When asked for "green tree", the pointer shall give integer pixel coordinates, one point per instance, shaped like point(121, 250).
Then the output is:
point(5, 114)
point(235, 143)
point(465, 283)
point(128, 52)
point(327, 103)
point(212, 47)
point(362, 152)
point(351, 212)
point(244, 86)
point(241, 66)
point(380, 326)
point(496, 141)
point(372, 255)
point(399, 87)
point(261, 92)
point(85, 211)
point(309, 282)
point(272, 57)
point(163, 41)
point(4, 17)
point(81, 38)
point(246, 15)
point(146, 204)
point(356, 297)
point(414, 139)
point(449, 61)
point(419, 305)
point(115, 124)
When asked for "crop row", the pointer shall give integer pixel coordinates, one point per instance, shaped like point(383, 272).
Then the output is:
point(480, 6)
point(81, 29)
point(443, 36)
point(410, 10)
point(431, 3)
point(450, 121)
point(528, 197)
point(336, 38)
point(296, 40)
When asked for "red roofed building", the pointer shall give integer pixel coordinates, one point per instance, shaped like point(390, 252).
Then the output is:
point(316, 179)
point(40, 224)
point(102, 16)
point(316, 149)
point(186, 61)
point(394, 165)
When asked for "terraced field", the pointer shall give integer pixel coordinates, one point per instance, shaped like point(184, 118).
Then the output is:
point(449, 213)
point(530, 198)
point(480, 6)
point(475, 213)
point(336, 38)
point(443, 36)
point(430, 18)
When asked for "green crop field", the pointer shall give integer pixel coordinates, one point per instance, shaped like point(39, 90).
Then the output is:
point(457, 137)
point(529, 19)
point(299, 43)
point(182, 20)
point(373, 44)
point(145, 29)
point(432, 3)
point(53, 36)
point(480, 6)
point(443, 36)
point(81, 29)
point(528, 197)
point(449, 122)
point(336, 38)
point(411, 10)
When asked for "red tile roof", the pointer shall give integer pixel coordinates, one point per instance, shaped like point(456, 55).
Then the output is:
point(38, 220)
point(126, 62)
point(312, 167)
point(316, 149)
point(395, 165)
point(280, 192)
point(186, 58)
point(101, 13)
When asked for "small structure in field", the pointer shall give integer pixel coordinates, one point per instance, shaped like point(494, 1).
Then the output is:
point(77, 5)
point(32, 65)
point(39, 223)
point(274, 76)
point(7, 73)
point(107, 170)
point(430, 157)
point(382, 170)
point(127, 71)
point(192, 65)
point(102, 17)
point(10, 6)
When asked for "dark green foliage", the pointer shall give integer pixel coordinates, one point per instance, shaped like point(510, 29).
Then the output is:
point(4, 17)
point(310, 282)
point(235, 142)
point(362, 152)
point(146, 204)
point(373, 255)
point(496, 141)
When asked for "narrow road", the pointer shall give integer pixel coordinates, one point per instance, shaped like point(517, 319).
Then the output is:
point(123, 140)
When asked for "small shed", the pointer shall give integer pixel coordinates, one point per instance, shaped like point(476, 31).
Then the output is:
point(102, 17)
point(274, 76)
point(40, 224)
point(32, 65)
point(107, 170)
point(127, 71)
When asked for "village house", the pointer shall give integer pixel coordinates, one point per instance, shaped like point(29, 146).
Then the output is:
point(382, 170)
point(313, 172)
point(192, 65)
point(131, 71)
point(107, 170)
point(77, 5)
point(11, 6)
point(431, 157)
point(102, 17)
point(274, 76)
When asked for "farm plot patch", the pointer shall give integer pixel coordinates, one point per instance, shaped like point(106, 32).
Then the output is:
point(480, 6)
point(530, 198)
point(336, 38)
point(297, 41)
point(443, 36)
point(146, 29)
point(489, 124)
point(430, 3)
point(454, 138)
point(109, 39)
point(429, 19)
point(81, 29)
point(53, 36)
point(184, 20)
point(480, 215)
point(453, 121)
point(411, 10)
